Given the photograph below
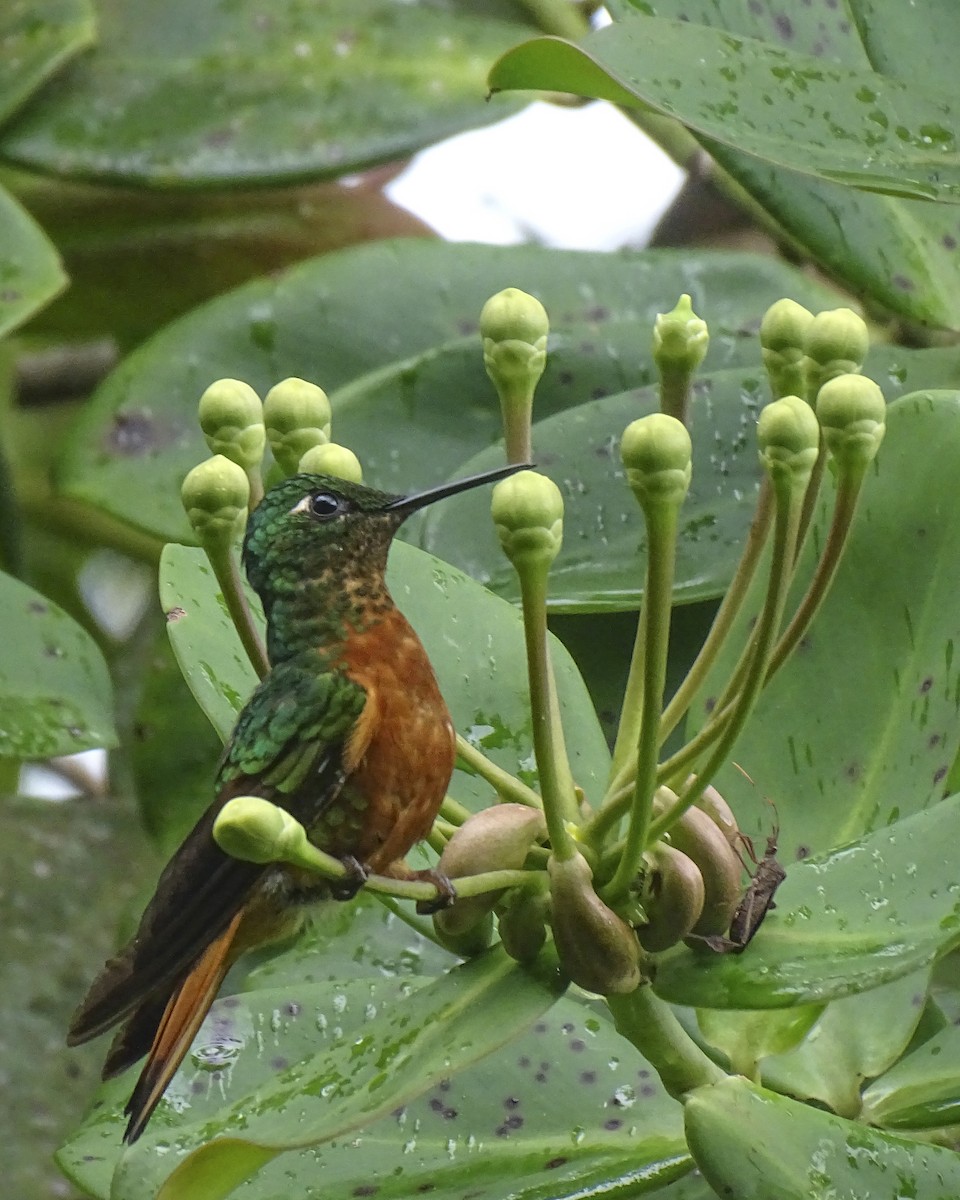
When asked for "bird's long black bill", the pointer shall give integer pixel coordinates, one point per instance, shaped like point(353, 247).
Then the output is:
point(409, 504)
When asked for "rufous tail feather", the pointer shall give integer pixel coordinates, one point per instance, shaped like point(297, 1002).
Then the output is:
point(178, 1026)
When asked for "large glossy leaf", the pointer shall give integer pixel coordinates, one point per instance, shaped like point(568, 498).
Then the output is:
point(55, 694)
point(922, 1091)
point(795, 110)
point(409, 1044)
point(36, 38)
point(384, 330)
point(863, 915)
point(473, 638)
point(755, 1145)
point(30, 267)
point(188, 94)
point(902, 252)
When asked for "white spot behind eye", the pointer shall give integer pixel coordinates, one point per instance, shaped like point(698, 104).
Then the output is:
point(301, 505)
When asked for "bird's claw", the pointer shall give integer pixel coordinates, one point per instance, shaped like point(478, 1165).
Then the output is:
point(446, 892)
point(356, 876)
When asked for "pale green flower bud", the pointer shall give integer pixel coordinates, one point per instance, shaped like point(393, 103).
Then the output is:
point(215, 496)
point(514, 328)
point(680, 338)
point(783, 337)
point(657, 453)
point(527, 510)
point(254, 830)
point(837, 343)
point(297, 416)
point(789, 437)
point(332, 459)
point(231, 417)
point(852, 413)
point(597, 949)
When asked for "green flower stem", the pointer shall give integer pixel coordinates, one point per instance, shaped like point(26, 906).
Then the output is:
point(556, 781)
point(227, 571)
point(649, 1024)
point(811, 496)
point(643, 719)
point(848, 494)
point(453, 812)
point(788, 492)
point(255, 477)
point(676, 385)
point(507, 786)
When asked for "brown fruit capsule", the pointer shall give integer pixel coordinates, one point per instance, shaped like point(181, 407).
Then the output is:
point(673, 898)
point(523, 926)
point(495, 839)
point(721, 814)
point(701, 840)
point(597, 949)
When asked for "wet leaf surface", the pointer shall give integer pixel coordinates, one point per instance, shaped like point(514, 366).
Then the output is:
point(753, 1144)
point(55, 694)
point(800, 111)
point(902, 252)
point(31, 273)
point(863, 915)
point(36, 38)
point(191, 94)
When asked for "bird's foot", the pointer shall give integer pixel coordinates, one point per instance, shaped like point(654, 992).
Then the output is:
point(446, 892)
point(356, 876)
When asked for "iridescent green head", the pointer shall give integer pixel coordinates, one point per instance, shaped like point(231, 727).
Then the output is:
point(321, 527)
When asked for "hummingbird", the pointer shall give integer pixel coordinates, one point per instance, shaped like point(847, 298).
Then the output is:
point(347, 731)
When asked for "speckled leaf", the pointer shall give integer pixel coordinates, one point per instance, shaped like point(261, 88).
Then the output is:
point(31, 273)
point(755, 1145)
point(922, 1091)
point(563, 1107)
point(374, 326)
point(877, 743)
point(55, 694)
point(795, 110)
point(861, 916)
point(483, 678)
point(186, 94)
point(902, 252)
point(36, 38)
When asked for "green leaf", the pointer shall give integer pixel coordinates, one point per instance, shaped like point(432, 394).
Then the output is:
point(861, 916)
point(36, 38)
point(876, 745)
point(855, 1039)
point(30, 267)
point(483, 678)
point(565, 1106)
point(755, 1145)
point(797, 110)
point(383, 329)
point(55, 694)
point(901, 252)
point(405, 1049)
point(188, 95)
point(922, 1090)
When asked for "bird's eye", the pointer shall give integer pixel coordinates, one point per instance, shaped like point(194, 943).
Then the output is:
point(325, 505)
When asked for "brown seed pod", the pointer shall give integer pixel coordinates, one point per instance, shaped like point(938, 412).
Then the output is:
point(697, 836)
point(523, 926)
point(598, 950)
point(720, 812)
point(495, 839)
point(673, 898)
